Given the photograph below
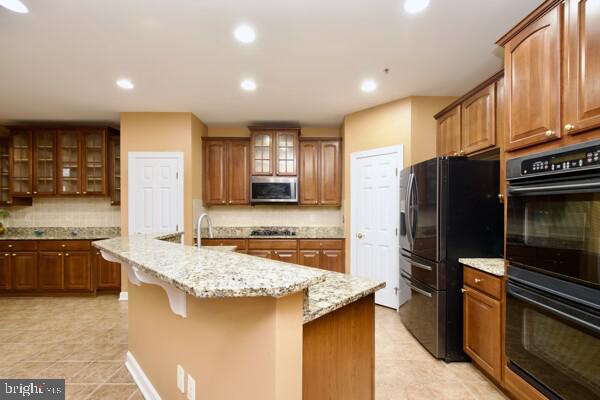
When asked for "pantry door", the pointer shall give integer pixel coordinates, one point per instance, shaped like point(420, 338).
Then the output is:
point(374, 222)
point(155, 192)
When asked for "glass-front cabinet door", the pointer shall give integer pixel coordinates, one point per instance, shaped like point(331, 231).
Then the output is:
point(94, 157)
point(44, 162)
point(21, 166)
point(286, 153)
point(114, 159)
point(262, 153)
point(4, 171)
point(69, 156)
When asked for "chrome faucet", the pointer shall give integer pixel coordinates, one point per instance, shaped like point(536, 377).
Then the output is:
point(210, 232)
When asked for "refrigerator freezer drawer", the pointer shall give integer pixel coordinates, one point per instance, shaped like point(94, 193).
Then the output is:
point(424, 316)
point(426, 272)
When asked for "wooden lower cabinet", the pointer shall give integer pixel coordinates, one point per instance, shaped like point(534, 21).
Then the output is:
point(50, 271)
point(108, 273)
point(309, 258)
point(78, 274)
point(5, 272)
point(261, 253)
point(55, 267)
point(24, 269)
point(290, 256)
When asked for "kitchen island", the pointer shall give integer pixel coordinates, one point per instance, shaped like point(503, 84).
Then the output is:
point(242, 326)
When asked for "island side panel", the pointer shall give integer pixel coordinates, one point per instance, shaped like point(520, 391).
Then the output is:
point(248, 348)
point(339, 354)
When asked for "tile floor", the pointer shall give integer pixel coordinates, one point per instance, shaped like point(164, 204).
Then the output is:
point(84, 340)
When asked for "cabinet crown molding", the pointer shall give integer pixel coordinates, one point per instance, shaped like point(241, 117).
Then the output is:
point(534, 15)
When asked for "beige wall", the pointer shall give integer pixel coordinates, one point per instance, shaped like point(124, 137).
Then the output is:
point(242, 348)
point(407, 121)
point(424, 126)
point(65, 212)
point(167, 132)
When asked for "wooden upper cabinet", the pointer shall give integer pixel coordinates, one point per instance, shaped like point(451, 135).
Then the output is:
point(532, 61)
point(309, 172)
point(69, 162)
point(93, 145)
point(330, 173)
point(287, 153)
point(274, 151)
point(44, 162)
point(449, 133)
point(582, 97)
point(320, 172)
point(215, 172)
point(114, 169)
point(238, 172)
point(479, 121)
point(262, 153)
point(4, 171)
point(21, 165)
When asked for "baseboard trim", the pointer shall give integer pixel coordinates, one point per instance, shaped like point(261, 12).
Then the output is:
point(140, 378)
point(123, 296)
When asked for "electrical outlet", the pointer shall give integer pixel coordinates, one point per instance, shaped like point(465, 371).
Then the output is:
point(191, 390)
point(180, 379)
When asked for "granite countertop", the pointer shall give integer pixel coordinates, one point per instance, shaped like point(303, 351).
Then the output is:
point(55, 233)
point(207, 273)
point(211, 273)
point(337, 291)
point(300, 232)
point(494, 266)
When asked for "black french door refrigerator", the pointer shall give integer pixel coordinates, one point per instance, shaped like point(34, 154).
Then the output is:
point(449, 209)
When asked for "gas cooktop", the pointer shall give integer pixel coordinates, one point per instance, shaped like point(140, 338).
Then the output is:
point(272, 232)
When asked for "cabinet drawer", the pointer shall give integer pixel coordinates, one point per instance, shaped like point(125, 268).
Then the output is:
point(18, 245)
point(259, 244)
point(241, 244)
point(57, 245)
point(486, 283)
point(316, 244)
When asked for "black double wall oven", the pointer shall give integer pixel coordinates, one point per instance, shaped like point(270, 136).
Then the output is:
point(553, 288)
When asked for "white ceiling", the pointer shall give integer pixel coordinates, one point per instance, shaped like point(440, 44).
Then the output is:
point(60, 62)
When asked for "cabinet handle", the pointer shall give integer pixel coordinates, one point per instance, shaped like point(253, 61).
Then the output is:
point(569, 127)
point(549, 133)
point(478, 280)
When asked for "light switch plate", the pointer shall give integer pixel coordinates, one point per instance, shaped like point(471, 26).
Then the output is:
point(191, 388)
point(180, 379)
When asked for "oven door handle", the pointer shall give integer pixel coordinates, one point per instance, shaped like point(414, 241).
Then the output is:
point(550, 188)
point(553, 310)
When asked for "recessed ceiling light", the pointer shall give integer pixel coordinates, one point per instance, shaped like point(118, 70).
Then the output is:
point(125, 84)
point(244, 34)
point(14, 5)
point(415, 6)
point(368, 86)
point(248, 85)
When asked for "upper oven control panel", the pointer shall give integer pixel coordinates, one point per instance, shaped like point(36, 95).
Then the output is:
point(575, 159)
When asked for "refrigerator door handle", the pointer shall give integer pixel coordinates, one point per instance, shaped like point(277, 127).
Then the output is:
point(421, 291)
point(408, 218)
point(416, 207)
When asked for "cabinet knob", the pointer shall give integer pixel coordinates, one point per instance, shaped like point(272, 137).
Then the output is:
point(478, 280)
point(462, 153)
point(455, 154)
point(34, 192)
point(569, 127)
point(463, 290)
point(60, 254)
point(84, 192)
point(549, 133)
point(63, 245)
point(6, 254)
point(13, 254)
point(76, 192)
point(27, 192)
point(501, 197)
point(10, 245)
point(67, 254)
point(8, 202)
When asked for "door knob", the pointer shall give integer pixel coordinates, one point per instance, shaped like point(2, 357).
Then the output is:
point(359, 235)
point(569, 127)
point(549, 133)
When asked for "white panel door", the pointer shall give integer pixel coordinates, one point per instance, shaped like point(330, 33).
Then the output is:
point(375, 220)
point(156, 198)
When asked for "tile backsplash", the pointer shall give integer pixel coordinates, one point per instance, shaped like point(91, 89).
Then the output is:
point(65, 212)
point(274, 215)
